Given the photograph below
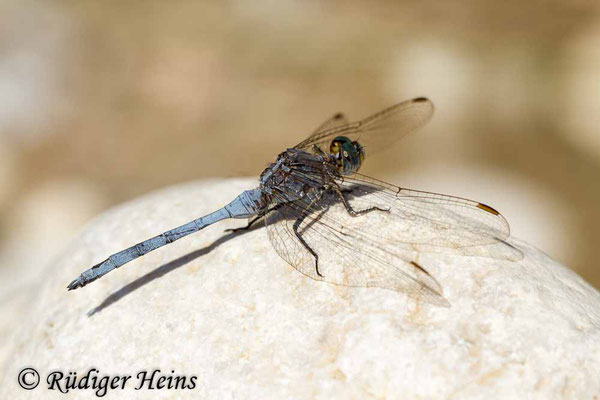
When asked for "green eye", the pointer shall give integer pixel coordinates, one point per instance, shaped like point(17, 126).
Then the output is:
point(348, 154)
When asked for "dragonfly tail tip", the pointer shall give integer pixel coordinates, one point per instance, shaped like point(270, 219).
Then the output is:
point(75, 284)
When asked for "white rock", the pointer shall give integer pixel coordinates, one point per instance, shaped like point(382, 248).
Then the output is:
point(227, 309)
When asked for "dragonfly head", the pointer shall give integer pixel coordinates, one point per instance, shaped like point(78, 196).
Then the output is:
point(349, 155)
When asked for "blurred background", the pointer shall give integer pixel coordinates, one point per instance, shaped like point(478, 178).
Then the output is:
point(101, 102)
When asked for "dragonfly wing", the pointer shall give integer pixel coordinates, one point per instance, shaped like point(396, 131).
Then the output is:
point(335, 121)
point(346, 256)
point(432, 222)
point(379, 130)
point(380, 249)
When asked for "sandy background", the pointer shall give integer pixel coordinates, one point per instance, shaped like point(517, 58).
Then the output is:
point(103, 101)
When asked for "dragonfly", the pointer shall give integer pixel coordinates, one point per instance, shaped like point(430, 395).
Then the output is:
point(334, 224)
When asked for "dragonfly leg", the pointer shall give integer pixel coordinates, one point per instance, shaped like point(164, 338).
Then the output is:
point(245, 228)
point(318, 150)
point(306, 246)
point(254, 220)
point(349, 208)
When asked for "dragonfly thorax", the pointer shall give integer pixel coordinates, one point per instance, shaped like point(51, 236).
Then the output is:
point(298, 174)
point(348, 155)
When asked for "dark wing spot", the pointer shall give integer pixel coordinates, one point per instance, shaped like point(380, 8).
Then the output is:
point(338, 116)
point(420, 100)
point(487, 208)
point(419, 267)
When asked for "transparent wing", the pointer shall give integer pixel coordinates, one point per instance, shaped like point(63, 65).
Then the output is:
point(380, 248)
point(335, 121)
point(345, 256)
point(377, 131)
point(433, 222)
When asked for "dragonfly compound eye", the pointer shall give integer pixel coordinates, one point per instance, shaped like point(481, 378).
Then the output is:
point(348, 154)
point(360, 150)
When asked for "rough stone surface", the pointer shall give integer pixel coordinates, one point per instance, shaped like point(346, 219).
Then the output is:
point(228, 310)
